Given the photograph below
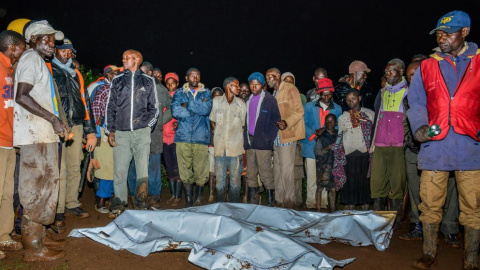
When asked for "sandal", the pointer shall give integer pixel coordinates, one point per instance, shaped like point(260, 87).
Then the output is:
point(114, 214)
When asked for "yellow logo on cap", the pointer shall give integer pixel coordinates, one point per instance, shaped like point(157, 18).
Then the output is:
point(446, 19)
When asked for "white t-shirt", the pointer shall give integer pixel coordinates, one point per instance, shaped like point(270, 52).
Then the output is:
point(27, 127)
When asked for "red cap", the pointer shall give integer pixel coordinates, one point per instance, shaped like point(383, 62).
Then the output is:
point(172, 75)
point(325, 84)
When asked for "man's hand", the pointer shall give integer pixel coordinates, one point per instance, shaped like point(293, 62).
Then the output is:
point(204, 100)
point(282, 124)
point(319, 132)
point(184, 105)
point(111, 139)
point(58, 126)
point(174, 125)
point(91, 142)
point(421, 134)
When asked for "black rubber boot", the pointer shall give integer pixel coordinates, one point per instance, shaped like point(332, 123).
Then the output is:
point(470, 258)
point(270, 197)
point(178, 193)
point(430, 239)
point(252, 195)
point(171, 184)
point(198, 195)
point(379, 204)
point(397, 205)
point(188, 194)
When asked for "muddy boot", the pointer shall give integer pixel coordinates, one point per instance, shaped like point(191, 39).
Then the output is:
point(171, 184)
point(211, 187)
point(178, 193)
point(318, 198)
point(198, 195)
point(32, 240)
point(332, 200)
point(270, 197)
point(430, 239)
point(188, 194)
point(379, 204)
point(52, 243)
point(59, 223)
point(252, 195)
point(396, 205)
point(471, 248)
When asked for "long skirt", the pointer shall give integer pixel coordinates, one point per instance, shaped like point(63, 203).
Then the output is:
point(357, 187)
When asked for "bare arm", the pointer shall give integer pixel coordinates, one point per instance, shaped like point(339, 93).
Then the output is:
point(24, 99)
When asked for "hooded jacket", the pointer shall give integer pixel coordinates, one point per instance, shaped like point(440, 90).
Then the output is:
point(291, 110)
point(193, 120)
point(132, 102)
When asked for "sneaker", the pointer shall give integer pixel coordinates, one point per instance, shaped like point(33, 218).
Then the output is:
point(452, 240)
point(413, 235)
point(114, 214)
point(102, 210)
point(10, 245)
point(77, 211)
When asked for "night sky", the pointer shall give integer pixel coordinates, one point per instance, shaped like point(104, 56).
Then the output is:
point(235, 38)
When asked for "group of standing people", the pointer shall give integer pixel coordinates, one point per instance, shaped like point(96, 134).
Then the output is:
point(364, 148)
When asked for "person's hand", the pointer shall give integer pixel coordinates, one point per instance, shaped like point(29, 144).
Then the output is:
point(184, 105)
point(91, 142)
point(282, 124)
point(204, 100)
point(58, 126)
point(421, 134)
point(174, 125)
point(111, 139)
point(319, 132)
point(328, 148)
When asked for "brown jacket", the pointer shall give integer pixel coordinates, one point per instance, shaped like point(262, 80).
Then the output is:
point(291, 110)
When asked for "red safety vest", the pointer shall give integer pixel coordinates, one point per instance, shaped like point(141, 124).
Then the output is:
point(462, 110)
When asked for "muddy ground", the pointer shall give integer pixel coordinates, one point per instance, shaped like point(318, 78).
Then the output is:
point(84, 253)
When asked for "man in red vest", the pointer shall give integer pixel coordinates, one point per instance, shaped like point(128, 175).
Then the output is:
point(445, 93)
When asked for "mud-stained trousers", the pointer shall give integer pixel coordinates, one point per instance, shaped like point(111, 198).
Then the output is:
point(260, 162)
point(283, 172)
point(39, 181)
point(131, 144)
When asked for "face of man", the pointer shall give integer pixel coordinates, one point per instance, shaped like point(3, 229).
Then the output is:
point(353, 101)
point(330, 122)
point(146, 70)
point(289, 79)
point(129, 60)
point(17, 51)
point(171, 84)
point(358, 78)
point(452, 43)
point(112, 74)
point(63, 55)
point(217, 94)
point(44, 44)
point(326, 97)
point(193, 78)
point(234, 87)
point(393, 74)
point(244, 91)
point(157, 74)
point(318, 75)
point(411, 71)
point(255, 87)
point(272, 78)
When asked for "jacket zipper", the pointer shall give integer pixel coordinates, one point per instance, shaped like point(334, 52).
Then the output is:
point(131, 103)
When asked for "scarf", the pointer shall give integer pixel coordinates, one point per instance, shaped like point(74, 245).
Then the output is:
point(67, 67)
point(339, 157)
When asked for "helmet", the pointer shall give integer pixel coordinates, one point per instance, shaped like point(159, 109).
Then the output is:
point(18, 25)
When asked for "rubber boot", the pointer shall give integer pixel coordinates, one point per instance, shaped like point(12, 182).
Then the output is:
point(198, 195)
point(211, 187)
point(471, 248)
point(171, 184)
point(379, 204)
point(332, 199)
point(270, 197)
point(252, 195)
point(430, 239)
point(188, 194)
point(397, 205)
point(52, 243)
point(32, 240)
point(59, 223)
point(318, 198)
point(178, 193)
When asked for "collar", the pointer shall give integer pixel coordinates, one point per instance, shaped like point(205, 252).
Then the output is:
point(330, 106)
point(395, 88)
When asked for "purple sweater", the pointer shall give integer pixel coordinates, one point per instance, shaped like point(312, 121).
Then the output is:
point(454, 152)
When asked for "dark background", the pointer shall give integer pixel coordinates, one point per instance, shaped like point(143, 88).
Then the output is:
point(235, 38)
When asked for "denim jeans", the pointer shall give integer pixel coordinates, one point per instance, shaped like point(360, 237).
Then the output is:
point(154, 175)
point(235, 167)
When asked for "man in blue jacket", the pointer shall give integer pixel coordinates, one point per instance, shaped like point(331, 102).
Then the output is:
point(259, 134)
point(315, 113)
point(191, 106)
point(445, 92)
point(132, 111)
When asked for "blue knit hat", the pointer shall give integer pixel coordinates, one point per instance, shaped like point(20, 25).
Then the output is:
point(258, 77)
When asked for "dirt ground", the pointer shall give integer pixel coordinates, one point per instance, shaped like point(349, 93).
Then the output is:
point(83, 253)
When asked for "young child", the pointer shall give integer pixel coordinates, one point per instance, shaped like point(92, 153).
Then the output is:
point(325, 138)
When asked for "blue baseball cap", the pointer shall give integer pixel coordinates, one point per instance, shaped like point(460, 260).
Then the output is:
point(66, 44)
point(452, 22)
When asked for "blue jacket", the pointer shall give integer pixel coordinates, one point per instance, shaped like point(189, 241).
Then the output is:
point(455, 152)
point(265, 128)
point(312, 123)
point(193, 120)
